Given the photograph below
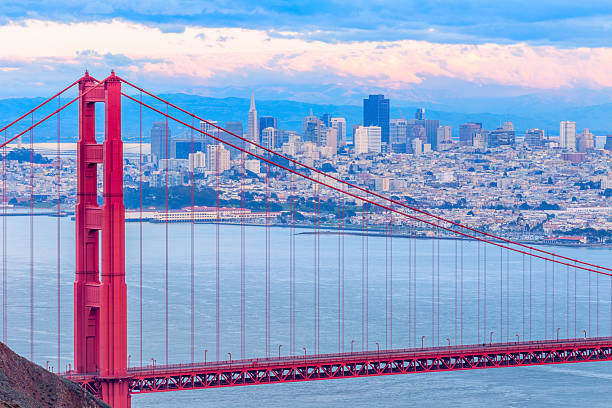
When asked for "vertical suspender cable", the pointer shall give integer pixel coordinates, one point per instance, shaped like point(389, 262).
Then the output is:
point(363, 232)
point(478, 290)
point(523, 298)
point(386, 225)
point(507, 296)
point(545, 299)
point(414, 288)
point(166, 184)
point(192, 249)
point(267, 259)
point(391, 280)
point(456, 285)
point(433, 287)
point(217, 259)
point(140, 175)
point(589, 278)
point(461, 280)
point(32, 240)
point(553, 298)
point(59, 264)
point(484, 321)
point(501, 293)
point(596, 304)
point(340, 215)
point(367, 276)
point(292, 268)
point(530, 297)
point(4, 247)
point(409, 297)
point(242, 258)
point(438, 287)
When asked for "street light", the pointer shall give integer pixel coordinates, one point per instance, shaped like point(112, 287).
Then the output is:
point(518, 339)
point(279, 347)
point(378, 347)
point(449, 343)
point(585, 335)
point(153, 360)
point(129, 357)
point(352, 342)
point(491, 337)
point(304, 348)
point(230, 361)
point(558, 328)
point(422, 341)
point(205, 353)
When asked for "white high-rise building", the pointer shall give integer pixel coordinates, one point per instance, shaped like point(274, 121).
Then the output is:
point(197, 160)
point(567, 135)
point(340, 125)
point(368, 139)
point(253, 125)
point(217, 159)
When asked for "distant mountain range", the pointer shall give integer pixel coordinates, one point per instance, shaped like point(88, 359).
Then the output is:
point(598, 118)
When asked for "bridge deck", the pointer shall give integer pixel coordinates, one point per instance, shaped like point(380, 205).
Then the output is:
point(359, 364)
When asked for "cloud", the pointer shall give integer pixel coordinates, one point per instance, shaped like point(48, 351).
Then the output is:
point(565, 22)
point(204, 56)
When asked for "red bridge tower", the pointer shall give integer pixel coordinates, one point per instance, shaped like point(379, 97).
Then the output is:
point(100, 308)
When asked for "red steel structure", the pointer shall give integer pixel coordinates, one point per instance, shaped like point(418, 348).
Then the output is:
point(100, 292)
point(100, 304)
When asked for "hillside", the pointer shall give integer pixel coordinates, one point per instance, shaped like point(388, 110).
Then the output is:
point(27, 385)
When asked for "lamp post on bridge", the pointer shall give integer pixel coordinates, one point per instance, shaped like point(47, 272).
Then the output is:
point(230, 360)
point(129, 358)
point(205, 353)
point(449, 342)
point(558, 328)
point(518, 339)
point(423, 341)
point(352, 342)
point(304, 348)
point(491, 337)
point(279, 347)
point(585, 335)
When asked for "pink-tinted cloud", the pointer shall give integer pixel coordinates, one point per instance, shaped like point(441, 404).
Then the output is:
point(204, 54)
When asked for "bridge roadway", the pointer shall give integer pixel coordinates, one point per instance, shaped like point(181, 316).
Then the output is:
point(161, 378)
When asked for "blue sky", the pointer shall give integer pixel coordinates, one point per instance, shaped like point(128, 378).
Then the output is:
point(315, 50)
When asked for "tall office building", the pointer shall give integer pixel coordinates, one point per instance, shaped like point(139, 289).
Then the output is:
point(253, 125)
point(340, 125)
point(466, 132)
point(368, 139)
point(266, 122)
point(445, 139)
point(420, 114)
point(567, 135)
point(313, 129)
point(534, 138)
point(237, 129)
point(217, 158)
point(585, 141)
point(158, 141)
point(398, 132)
point(326, 119)
point(608, 145)
point(376, 113)
point(270, 138)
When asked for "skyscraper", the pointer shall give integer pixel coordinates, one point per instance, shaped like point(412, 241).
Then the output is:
point(313, 129)
point(466, 132)
point(236, 128)
point(158, 141)
point(376, 113)
point(367, 139)
point(534, 138)
point(252, 125)
point(266, 122)
point(340, 125)
point(398, 131)
point(567, 135)
point(420, 114)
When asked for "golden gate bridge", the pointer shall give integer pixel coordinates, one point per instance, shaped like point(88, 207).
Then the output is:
point(101, 361)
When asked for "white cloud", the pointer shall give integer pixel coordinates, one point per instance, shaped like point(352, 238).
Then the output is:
point(204, 54)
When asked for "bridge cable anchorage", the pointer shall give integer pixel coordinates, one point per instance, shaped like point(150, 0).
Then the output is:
point(382, 206)
point(338, 180)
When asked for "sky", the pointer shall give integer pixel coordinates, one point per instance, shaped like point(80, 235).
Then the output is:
point(334, 51)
